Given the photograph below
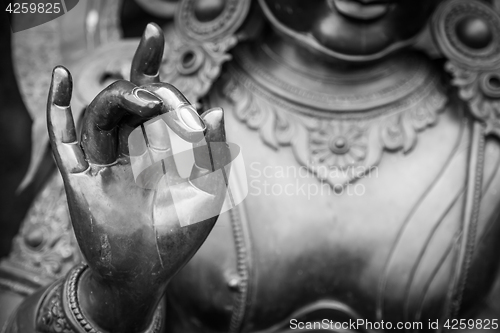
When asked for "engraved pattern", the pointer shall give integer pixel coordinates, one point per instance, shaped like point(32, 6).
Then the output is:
point(313, 140)
point(481, 91)
point(243, 270)
point(51, 316)
point(71, 287)
point(336, 144)
point(471, 220)
point(457, 10)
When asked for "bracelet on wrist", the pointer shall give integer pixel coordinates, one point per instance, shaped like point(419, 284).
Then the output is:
point(60, 310)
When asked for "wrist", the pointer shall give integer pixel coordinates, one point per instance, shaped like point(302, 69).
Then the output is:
point(114, 307)
point(65, 310)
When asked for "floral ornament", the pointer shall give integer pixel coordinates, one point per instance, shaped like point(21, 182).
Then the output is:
point(337, 145)
point(192, 67)
point(337, 152)
point(481, 90)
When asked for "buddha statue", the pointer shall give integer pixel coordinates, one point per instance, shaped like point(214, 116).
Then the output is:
point(369, 133)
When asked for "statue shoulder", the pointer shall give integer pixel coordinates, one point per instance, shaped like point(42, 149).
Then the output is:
point(467, 32)
point(468, 35)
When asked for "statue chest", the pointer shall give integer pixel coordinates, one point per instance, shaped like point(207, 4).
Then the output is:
point(380, 248)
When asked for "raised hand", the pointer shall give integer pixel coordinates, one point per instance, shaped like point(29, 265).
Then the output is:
point(130, 235)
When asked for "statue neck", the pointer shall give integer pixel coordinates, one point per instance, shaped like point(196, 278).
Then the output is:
point(290, 72)
point(303, 59)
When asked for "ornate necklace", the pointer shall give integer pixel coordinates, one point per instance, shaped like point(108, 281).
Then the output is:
point(343, 136)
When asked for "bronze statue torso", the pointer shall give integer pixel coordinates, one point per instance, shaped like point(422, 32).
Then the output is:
point(296, 248)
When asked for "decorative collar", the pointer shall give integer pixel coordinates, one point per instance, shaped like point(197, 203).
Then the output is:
point(339, 136)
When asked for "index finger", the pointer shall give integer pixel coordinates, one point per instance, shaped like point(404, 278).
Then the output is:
point(147, 58)
point(61, 127)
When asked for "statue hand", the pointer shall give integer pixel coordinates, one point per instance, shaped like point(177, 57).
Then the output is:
point(129, 235)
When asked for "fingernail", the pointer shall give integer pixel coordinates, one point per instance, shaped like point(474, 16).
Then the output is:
point(214, 117)
point(61, 88)
point(59, 74)
point(191, 118)
point(146, 96)
point(152, 29)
